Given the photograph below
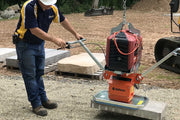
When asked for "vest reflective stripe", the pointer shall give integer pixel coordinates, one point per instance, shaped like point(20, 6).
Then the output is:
point(22, 29)
point(35, 10)
point(55, 9)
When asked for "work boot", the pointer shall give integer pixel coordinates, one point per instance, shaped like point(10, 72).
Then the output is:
point(40, 111)
point(49, 105)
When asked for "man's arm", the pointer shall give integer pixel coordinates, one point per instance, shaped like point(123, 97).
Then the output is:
point(45, 36)
point(66, 24)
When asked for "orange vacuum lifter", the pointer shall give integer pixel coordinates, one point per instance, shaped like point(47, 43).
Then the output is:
point(121, 85)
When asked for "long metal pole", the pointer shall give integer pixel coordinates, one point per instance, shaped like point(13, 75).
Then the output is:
point(173, 53)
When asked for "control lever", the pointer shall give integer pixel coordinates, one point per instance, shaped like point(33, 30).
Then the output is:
point(69, 43)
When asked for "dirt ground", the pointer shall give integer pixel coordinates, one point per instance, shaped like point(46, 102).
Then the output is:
point(151, 20)
point(74, 99)
point(73, 95)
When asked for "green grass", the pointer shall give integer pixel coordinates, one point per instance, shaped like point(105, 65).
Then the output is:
point(142, 68)
point(159, 74)
point(97, 48)
point(167, 77)
point(13, 18)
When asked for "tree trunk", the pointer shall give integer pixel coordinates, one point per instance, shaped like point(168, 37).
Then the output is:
point(95, 4)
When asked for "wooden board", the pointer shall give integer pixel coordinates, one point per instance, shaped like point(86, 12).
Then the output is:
point(97, 76)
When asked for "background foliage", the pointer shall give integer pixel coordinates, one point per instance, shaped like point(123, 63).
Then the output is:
point(74, 6)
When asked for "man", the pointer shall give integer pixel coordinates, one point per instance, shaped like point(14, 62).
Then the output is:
point(29, 38)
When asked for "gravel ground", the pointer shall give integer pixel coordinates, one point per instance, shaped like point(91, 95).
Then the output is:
point(73, 97)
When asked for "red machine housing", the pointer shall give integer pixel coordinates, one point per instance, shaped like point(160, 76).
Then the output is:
point(123, 51)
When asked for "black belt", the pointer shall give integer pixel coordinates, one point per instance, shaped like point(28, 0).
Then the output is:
point(16, 39)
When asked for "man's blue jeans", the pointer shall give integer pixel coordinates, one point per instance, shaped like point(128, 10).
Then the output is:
point(31, 63)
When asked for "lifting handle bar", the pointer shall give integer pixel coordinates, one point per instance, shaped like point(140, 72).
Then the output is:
point(173, 53)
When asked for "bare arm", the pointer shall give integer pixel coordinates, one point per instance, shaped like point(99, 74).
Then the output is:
point(45, 36)
point(66, 24)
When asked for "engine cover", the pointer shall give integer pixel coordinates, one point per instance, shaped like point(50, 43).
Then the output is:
point(130, 45)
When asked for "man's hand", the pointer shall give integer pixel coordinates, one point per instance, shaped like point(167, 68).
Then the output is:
point(61, 43)
point(78, 36)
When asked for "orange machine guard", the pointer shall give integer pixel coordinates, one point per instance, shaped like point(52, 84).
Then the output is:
point(122, 88)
